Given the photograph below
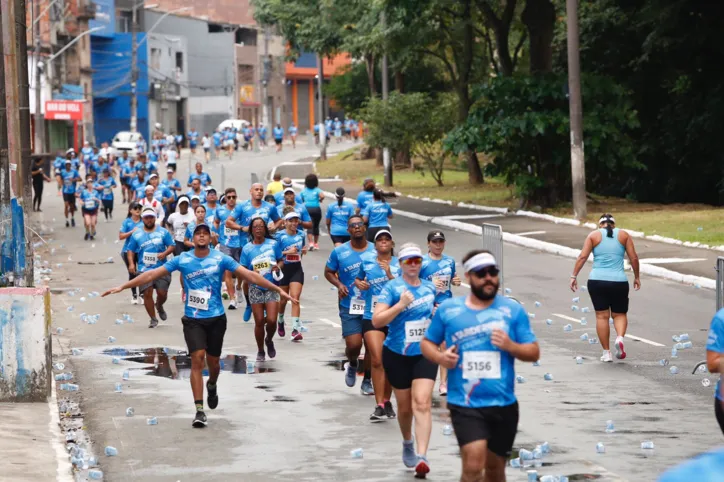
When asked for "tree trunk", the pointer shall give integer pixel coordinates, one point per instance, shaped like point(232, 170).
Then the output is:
point(403, 158)
point(539, 17)
point(378, 157)
point(400, 81)
point(370, 64)
point(475, 174)
point(501, 29)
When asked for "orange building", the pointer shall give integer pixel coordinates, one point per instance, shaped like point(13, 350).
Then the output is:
point(302, 81)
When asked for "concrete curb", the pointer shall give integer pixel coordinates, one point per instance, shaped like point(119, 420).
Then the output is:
point(655, 271)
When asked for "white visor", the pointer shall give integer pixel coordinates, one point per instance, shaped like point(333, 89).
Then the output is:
point(411, 252)
point(291, 215)
point(605, 219)
point(148, 212)
point(479, 261)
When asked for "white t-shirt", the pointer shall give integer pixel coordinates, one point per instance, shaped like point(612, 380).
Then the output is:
point(171, 156)
point(170, 140)
point(206, 142)
point(180, 222)
point(157, 206)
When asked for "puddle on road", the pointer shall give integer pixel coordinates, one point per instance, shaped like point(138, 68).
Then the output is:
point(339, 365)
point(176, 364)
point(281, 398)
point(583, 477)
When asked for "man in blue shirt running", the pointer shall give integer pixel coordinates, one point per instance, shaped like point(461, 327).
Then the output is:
point(204, 320)
point(278, 133)
point(485, 334)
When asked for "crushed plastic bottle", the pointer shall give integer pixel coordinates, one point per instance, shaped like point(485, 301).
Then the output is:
point(609, 426)
point(600, 448)
point(679, 346)
point(116, 360)
point(576, 299)
point(574, 308)
point(356, 453)
point(315, 278)
point(59, 366)
point(508, 291)
point(63, 377)
point(674, 370)
point(536, 363)
point(549, 322)
point(585, 309)
point(515, 463)
point(702, 369)
point(532, 476)
point(538, 304)
point(686, 344)
point(126, 374)
point(682, 337)
point(705, 382)
point(95, 474)
point(111, 339)
point(70, 387)
point(152, 421)
point(537, 453)
point(519, 379)
point(592, 341)
point(119, 321)
point(584, 337)
point(249, 366)
point(579, 360)
point(647, 445)
point(674, 353)
point(130, 412)
point(118, 388)
point(59, 331)
point(663, 362)
point(545, 447)
point(77, 351)
point(447, 429)
point(93, 461)
point(525, 454)
point(111, 451)
point(82, 299)
point(568, 327)
point(584, 321)
point(71, 308)
point(531, 315)
point(548, 377)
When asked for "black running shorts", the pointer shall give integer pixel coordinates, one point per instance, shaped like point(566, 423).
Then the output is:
point(497, 425)
point(204, 334)
point(368, 326)
point(401, 370)
point(609, 295)
point(293, 273)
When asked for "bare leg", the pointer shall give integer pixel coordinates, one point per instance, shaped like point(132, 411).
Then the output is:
point(602, 329)
point(148, 303)
point(422, 409)
point(404, 412)
point(373, 341)
point(620, 323)
point(197, 379)
point(474, 455)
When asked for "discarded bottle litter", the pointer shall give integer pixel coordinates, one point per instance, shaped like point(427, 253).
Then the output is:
point(77, 351)
point(574, 308)
point(519, 379)
point(315, 278)
point(126, 374)
point(549, 322)
point(116, 360)
point(532, 476)
point(515, 463)
point(111, 451)
point(63, 376)
point(71, 387)
point(609, 426)
point(531, 315)
point(152, 421)
point(111, 339)
point(545, 447)
point(705, 382)
point(95, 474)
point(118, 388)
point(537, 453)
point(584, 337)
point(59, 330)
point(356, 453)
point(59, 366)
point(600, 448)
point(585, 309)
point(686, 344)
point(663, 362)
point(119, 321)
point(674, 353)
point(702, 369)
point(508, 291)
point(525, 454)
point(579, 360)
point(548, 377)
point(674, 370)
point(584, 322)
point(71, 308)
point(568, 327)
point(536, 363)
point(592, 341)
point(447, 429)
point(249, 367)
point(682, 337)
point(648, 445)
point(576, 299)
point(130, 412)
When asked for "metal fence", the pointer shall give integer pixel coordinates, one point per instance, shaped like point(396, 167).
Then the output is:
point(719, 283)
point(493, 242)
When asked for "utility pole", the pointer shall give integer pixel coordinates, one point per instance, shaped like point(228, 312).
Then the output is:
point(385, 97)
point(320, 103)
point(578, 165)
point(134, 69)
point(266, 65)
point(39, 119)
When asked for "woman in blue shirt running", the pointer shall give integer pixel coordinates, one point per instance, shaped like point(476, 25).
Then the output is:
point(312, 196)
point(90, 202)
point(377, 215)
point(337, 216)
point(128, 227)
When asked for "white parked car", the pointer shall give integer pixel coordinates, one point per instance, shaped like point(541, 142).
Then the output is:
point(127, 141)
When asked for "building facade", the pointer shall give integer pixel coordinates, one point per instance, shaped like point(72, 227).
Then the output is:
point(168, 72)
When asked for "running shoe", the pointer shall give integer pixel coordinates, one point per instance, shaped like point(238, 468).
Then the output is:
point(134, 299)
point(280, 329)
point(409, 458)
point(161, 313)
point(270, 348)
point(366, 387)
point(239, 296)
point(378, 415)
point(316, 246)
point(350, 374)
point(213, 398)
point(260, 357)
point(85, 238)
point(72, 222)
point(92, 237)
point(606, 356)
point(422, 468)
point(389, 411)
point(232, 305)
point(311, 247)
point(153, 323)
point(296, 335)
point(247, 313)
point(199, 420)
point(620, 352)
point(443, 389)
point(67, 224)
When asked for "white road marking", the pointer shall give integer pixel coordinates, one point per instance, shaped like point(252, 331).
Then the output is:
point(296, 164)
point(643, 340)
point(669, 260)
point(469, 216)
point(633, 337)
point(530, 233)
point(330, 322)
point(64, 469)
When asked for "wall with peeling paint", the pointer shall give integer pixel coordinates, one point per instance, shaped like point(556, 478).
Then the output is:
point(25, 344)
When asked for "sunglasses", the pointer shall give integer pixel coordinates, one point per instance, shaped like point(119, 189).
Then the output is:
point(356, 225)
point(412, 261)
point(230, 197)
point(490, 270)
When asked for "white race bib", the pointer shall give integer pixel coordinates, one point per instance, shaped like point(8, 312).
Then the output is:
point(481, 364)
point(444, 279)
point(228, 232)
point(198, 299)
point(107, 191)
point(150, 259)
point(90, 204)
point(375, 299)
point(262, 266)
point(415, 331)
point(293, 258)
point(357, 306)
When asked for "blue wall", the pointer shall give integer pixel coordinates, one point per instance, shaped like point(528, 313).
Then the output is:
point(111, 63)
point(105, 17)
point(306, 59)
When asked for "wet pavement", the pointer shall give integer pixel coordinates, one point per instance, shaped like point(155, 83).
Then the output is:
point(298, 420)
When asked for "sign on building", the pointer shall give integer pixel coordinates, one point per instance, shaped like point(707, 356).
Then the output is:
point(63, 110)
point(246, 93)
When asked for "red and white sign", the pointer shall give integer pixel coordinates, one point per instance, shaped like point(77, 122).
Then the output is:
point(63, 110)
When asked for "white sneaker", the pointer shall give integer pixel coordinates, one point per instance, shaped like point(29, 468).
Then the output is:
point(618, 344)
point(232, 305)
point(606, 356)
point(239, 296)
point(134, 300)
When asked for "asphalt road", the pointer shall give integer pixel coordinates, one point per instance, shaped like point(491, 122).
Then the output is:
point(298, 420)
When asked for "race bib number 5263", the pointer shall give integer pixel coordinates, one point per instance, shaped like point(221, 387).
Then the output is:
point(481, 364)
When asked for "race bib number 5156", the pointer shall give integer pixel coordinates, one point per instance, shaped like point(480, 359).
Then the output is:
point(481, 364)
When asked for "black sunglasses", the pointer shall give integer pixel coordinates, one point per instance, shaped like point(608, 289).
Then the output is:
point(356, 225)
point(489, 270)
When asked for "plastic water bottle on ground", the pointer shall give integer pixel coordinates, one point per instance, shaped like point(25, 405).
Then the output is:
point(508, 291)
point(568, 327)
point(59, 330)
point(600, 448)
point(674, 353)
point(609, 426)
point(303, 329)
point(536, 363)
point(702, 369)
point(674, 370)
point(70, 387)
point(525, 454)
point(152, 421)
point(647, 445)
point(118, 388)
point(584, 337)
point(249, 366)
point(116, 360)
point(548, 377)
point(537, 453)
point(531, 315)
point(126, 374)
point(447, 429)
point(585, 309)
point(515, 463)
point(95, 474)
point(82, 299)
point(111, 451)
point(315, 278)
point(576, 299)
point(686, 344)
point(574, 308)
point(63, 377)
point(532, 476)
point(549, 322)
point(111, 339)
point(584, 322)
point(537, 304)
point(71, 308)
point(592, 341)
point(119, 321)
point(705, 382)
point(519, 379)
point(545, 447)
point(356, 453)
point(663, 362)
point(59, 366)
point(679, 346)
point(130, 412)
point(93, 461)
point(579, 360)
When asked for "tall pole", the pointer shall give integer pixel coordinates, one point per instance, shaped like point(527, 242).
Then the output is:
point(39, 119)
point(578, 166)
point(320, 104)
point(385, 97)
point(265, 81)
point(134, 70)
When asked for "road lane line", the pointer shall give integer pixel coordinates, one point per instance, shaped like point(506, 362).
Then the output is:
point(569, 318)
point(530, 233)
point(330, 322)
point(643, 340)
point(470, 216)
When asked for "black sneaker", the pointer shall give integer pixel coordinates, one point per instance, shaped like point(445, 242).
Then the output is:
point(67, 224)
point(85, 238)
point(389, 411)
point(153, 323)
point(199, 420)
point(161, 313)
point(378, 415)
point(213, 398)
point(72, 222)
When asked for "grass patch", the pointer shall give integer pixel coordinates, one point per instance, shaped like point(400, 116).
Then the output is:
point(419, 183)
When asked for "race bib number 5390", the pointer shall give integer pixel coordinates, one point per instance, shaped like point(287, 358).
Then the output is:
point(481, 364)
point(199, 299)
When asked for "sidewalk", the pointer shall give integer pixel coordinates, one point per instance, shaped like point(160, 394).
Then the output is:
point(657, 256)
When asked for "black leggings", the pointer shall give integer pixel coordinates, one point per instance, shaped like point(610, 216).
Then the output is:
point(316, 214)
point(38, 191)
point(108, 208)
point(719, 412)
point(130, 276)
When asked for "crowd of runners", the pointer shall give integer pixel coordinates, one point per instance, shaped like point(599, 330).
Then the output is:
point(394, 296)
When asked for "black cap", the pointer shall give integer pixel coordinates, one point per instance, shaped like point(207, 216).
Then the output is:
point(340, 192)
point(433, 235)
point(202, 226)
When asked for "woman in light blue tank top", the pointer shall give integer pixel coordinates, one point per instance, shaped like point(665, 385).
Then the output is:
point(607, 282)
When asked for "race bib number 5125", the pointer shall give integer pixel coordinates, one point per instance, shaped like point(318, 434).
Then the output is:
point(415, 331)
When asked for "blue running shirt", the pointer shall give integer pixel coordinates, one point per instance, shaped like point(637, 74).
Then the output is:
point(371, 272)
point(286, 241)
point(715, 342)
point(442, 269)
point(148, 245)
point(347, 262)
point(408, 328)
point(377, 213)
point(127, 226)
point(261, 258)
point(227, 236)
point(339, 215)
point(243, 213)
point(485, 375)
